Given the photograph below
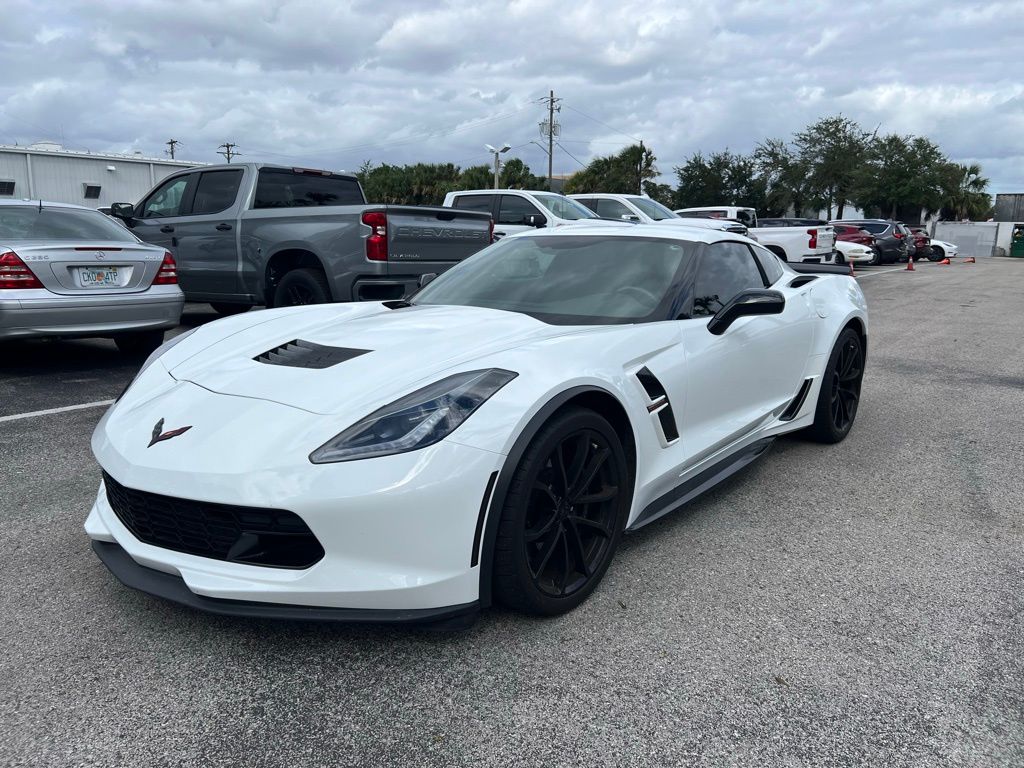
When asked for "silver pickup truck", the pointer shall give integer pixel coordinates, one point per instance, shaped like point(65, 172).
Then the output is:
point(249, 233)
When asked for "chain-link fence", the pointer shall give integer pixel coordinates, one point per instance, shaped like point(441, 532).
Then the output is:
point(972, 238)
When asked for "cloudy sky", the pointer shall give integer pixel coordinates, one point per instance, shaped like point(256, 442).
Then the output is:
point(332, 84)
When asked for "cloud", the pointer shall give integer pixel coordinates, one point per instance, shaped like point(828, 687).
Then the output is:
point(334, 84)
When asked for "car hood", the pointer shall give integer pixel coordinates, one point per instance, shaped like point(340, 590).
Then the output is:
point(378, 354)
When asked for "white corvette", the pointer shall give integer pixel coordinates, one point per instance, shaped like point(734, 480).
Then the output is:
point(490, 439)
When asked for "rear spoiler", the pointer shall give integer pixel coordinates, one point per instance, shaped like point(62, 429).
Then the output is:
point(809, 268)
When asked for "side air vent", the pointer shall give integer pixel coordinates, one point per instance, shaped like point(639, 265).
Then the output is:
point(306, 354)
point(802, 280)
point(659, 405)
point(797, 402)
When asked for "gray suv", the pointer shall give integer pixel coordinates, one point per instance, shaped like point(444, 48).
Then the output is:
point(893, 241)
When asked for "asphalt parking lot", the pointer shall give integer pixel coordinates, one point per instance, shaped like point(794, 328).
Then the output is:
point(859, 604)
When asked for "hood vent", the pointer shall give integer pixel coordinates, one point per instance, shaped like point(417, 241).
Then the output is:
point(659, 406)
point(305, 354)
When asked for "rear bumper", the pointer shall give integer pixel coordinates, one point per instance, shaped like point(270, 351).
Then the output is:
point(36, 313)
point(173, 588)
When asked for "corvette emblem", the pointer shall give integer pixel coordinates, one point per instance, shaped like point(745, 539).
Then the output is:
point(159, 436)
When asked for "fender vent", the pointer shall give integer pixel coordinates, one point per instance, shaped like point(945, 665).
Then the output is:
point(802, 280)
point(797, 402)
point(305, 354)
point(659, 405)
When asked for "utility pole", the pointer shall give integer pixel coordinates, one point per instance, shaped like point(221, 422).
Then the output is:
point(497, 161)
point(640, 170)
point(229, 150)
point(172, 144)
point(551, 129)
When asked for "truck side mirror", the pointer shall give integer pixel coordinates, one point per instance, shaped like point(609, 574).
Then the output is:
point(537, 220)
point(125, 211)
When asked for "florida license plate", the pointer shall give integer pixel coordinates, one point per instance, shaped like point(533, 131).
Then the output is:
point(94, 277)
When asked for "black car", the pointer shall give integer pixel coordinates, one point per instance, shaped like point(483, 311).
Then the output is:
point(891, 238)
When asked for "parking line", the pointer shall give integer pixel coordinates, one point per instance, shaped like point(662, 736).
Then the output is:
point(869, 274)
point(48, 411)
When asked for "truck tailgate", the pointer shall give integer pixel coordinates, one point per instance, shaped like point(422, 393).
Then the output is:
point(435, 235)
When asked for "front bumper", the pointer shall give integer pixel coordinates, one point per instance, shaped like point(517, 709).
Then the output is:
point(399, 532)
point(40, 313)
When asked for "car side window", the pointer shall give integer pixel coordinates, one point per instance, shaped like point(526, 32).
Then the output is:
point(725, 270)
point(770, 264)
point(216, 191)
point(514, 210)
point(612, 209)
point(482, 203)
point(589, 202)
point(166, 200)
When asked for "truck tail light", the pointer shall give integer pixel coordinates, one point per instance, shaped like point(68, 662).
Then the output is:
point(168, 272)
point(812, 242)
point(14, 273)
point(377, 240)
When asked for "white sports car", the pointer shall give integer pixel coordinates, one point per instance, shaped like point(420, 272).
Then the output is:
point(489, 439)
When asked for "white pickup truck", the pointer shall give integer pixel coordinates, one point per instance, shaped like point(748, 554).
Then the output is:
point(797, 244)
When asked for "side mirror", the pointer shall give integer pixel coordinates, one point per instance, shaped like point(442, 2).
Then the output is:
point(428, 277)
point(124, 211)
point(629, 217)
point(745, 304)
point(537, 220)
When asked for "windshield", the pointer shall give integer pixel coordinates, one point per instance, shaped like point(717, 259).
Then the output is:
point(28, 222)
point(564, 208)
point(654, 209)
point(566, 280)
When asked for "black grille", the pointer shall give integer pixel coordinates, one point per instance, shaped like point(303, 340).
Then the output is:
point(270, 537)
point(305, 354)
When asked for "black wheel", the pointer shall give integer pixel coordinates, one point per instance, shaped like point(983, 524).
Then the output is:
point(936, 254)
point(224, 310)
point(139, 344)
point(840, 390)
point(302, 286)
point(876, 259)
point(840, 258)
point(563, 516)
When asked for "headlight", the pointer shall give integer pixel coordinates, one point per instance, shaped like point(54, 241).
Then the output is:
point(162, 349)
point(422, 418)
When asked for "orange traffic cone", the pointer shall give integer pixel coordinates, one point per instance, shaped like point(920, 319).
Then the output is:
point(910, 263)
point(944, 261)
point(969, 260)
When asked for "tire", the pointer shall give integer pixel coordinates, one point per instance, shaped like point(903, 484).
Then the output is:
point(839, 395)
point(226, 310)
point(840, 258)
point(936, 254)
point(876, 260)
point(140, 344)
point(302, 286)
point(552, 549)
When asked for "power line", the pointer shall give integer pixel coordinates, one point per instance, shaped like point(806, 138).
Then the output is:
point(172, 144)
point(599, 122)
point(551, 129)
point(229, 150)
point(570, 154)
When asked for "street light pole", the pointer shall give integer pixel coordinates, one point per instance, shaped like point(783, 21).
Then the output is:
point(497, 161)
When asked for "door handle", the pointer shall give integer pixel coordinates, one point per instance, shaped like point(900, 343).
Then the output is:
point(222, 227)
point(167, 228)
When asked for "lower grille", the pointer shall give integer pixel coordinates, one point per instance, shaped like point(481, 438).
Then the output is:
point(270, 537)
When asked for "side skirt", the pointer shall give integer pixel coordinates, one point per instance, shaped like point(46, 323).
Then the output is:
point(701, 482)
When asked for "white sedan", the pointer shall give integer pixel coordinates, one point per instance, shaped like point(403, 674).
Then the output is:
point(491, 439)
point(942, 250)
point(855, 252)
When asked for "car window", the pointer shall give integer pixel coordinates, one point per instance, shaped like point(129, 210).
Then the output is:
point(565, 208)
point(612, 209)
point(482, 203)
point(652, 208)
point(514, 210)
point(590, 202)
point(770, 264)
point(284, 188)
point(874, 227)
point(30, 222)
point(166, 200)
point(725, 270)
point(216, 191)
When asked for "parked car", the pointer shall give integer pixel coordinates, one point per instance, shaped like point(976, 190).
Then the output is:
point(777, 222)
point(922, 243)
point(647, 211)
point(519, 210)
point(68, 271)
point(940, 249)
point(855, 252)
point(804, 243)
point(247, 234)
point(490, 439)
point(891, 241)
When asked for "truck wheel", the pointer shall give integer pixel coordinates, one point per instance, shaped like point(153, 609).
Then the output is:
point(302, 286)
point(224, 310)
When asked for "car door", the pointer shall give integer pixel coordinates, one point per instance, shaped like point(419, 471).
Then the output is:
point(207, 239)
point(158, 213)
point(512, 213)
point(740, 380)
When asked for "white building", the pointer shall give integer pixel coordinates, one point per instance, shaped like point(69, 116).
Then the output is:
point(47, 171)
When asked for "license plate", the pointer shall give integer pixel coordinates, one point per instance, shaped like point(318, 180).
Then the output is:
point(95, 277)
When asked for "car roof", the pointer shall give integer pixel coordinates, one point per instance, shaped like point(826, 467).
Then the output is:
point(629, 229)
point(505, 192)
point(35, 203)
point(606, 195)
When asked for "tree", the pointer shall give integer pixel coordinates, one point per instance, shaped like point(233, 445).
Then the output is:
point(784, 177)
point(515, 174)
point(900, 172)
point(720, 179)
point(831, 151)
point(627, 172)
point(964, 192)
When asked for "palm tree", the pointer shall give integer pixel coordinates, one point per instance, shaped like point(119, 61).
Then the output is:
point(965, 192)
